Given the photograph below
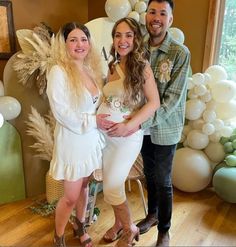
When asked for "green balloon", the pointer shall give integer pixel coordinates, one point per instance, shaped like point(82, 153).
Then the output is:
point(228, 147)
point(220, 165)
point(234, 143)
point(230, 160)
point(223, 140)
point(224, 183)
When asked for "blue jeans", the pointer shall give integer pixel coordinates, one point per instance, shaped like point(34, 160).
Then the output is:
point(157, 161)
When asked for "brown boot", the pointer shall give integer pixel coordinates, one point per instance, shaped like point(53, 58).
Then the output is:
point(59, 241)
point(80, 231)
point(145, 224)
point(163, 239)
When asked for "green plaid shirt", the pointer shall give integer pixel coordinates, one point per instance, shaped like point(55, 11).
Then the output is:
point(170, 64)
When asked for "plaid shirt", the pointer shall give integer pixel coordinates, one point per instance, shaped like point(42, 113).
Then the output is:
point(170, 64)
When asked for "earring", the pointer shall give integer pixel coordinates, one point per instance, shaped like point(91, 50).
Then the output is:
point(117, 57)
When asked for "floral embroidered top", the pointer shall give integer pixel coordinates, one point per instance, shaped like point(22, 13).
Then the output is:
point(114, 102)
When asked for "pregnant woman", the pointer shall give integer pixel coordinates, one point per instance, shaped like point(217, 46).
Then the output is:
point(131, 97)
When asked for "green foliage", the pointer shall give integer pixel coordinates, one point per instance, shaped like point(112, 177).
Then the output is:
point(229, 145)
point(227, 53)
point(43, 208)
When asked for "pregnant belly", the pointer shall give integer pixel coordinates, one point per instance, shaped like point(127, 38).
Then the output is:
point(115, 115)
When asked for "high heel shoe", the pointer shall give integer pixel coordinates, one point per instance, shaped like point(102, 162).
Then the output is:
point(80, 231)
point(127, 238)
point(111, 235)
point(59, 241)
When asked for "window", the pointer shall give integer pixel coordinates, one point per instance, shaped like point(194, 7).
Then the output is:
point(220, 45)
point(227, 51)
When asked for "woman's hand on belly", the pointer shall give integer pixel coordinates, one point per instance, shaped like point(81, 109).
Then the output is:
point(103, 123)
point(121, 130)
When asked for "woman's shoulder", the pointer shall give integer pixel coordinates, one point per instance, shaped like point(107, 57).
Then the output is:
point(56, 69)
point(148, 70)
point(147, 66)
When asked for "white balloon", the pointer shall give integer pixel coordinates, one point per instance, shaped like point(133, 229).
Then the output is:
point(185, 143)
point(140, 7)
point(143, 29)
point(206, 97)
point(226, 131)
point(217, 73)
point(209, 116)
point(191, 94)
point(197, 140)
point(1, 89)
point(231, 123)
point(186, 129)
point(218, 123)
point(208, 79)
point(194, 109)
point(191, 170)
point(227, 110)
point(223, 91)
point(133, 2)
point(9, 107)
point(197, 124)
point(190, 82)
point(177, 34)
point(200, 90)
point(215, 137)
point(182, 139)
point(198, 78)
point(134, 15)
point(215, 152)
point(100, 30)
point(142, 18)
point(117, 9)
point(208, 129)
point(1, 120)
point(211, 105)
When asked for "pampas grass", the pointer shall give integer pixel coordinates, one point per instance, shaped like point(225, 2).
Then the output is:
point(41, 128)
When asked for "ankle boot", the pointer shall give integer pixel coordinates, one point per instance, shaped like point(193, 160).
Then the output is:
point(148, 222)
point(163, 239)
point(59, 241)
point(80, 231)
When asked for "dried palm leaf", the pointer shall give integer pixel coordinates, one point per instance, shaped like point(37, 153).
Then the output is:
point(42, 133)
point(25, 46)
point(35, 59)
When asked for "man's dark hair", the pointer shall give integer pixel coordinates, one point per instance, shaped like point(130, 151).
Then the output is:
point(171, 2)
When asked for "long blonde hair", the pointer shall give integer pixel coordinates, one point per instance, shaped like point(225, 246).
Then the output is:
point(61, 57)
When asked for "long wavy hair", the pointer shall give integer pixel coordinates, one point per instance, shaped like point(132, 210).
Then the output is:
point(64, 60)
point(135, 64)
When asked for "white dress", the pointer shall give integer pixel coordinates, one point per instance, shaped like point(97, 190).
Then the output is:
point(120, 152)
point(77, 142)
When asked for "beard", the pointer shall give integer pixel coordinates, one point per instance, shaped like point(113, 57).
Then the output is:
point(155, 34)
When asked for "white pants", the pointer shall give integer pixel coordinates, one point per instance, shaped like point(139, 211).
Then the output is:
point(119, 155)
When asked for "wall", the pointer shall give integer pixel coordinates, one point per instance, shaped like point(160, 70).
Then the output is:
point(189, 16)
point(27, 14)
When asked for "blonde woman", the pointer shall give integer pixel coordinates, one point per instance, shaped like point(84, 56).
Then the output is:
point(74, 96)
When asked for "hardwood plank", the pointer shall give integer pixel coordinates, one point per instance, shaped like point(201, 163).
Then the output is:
point(199, 219)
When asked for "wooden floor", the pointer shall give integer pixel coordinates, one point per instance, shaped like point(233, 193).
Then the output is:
point(199, 219)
